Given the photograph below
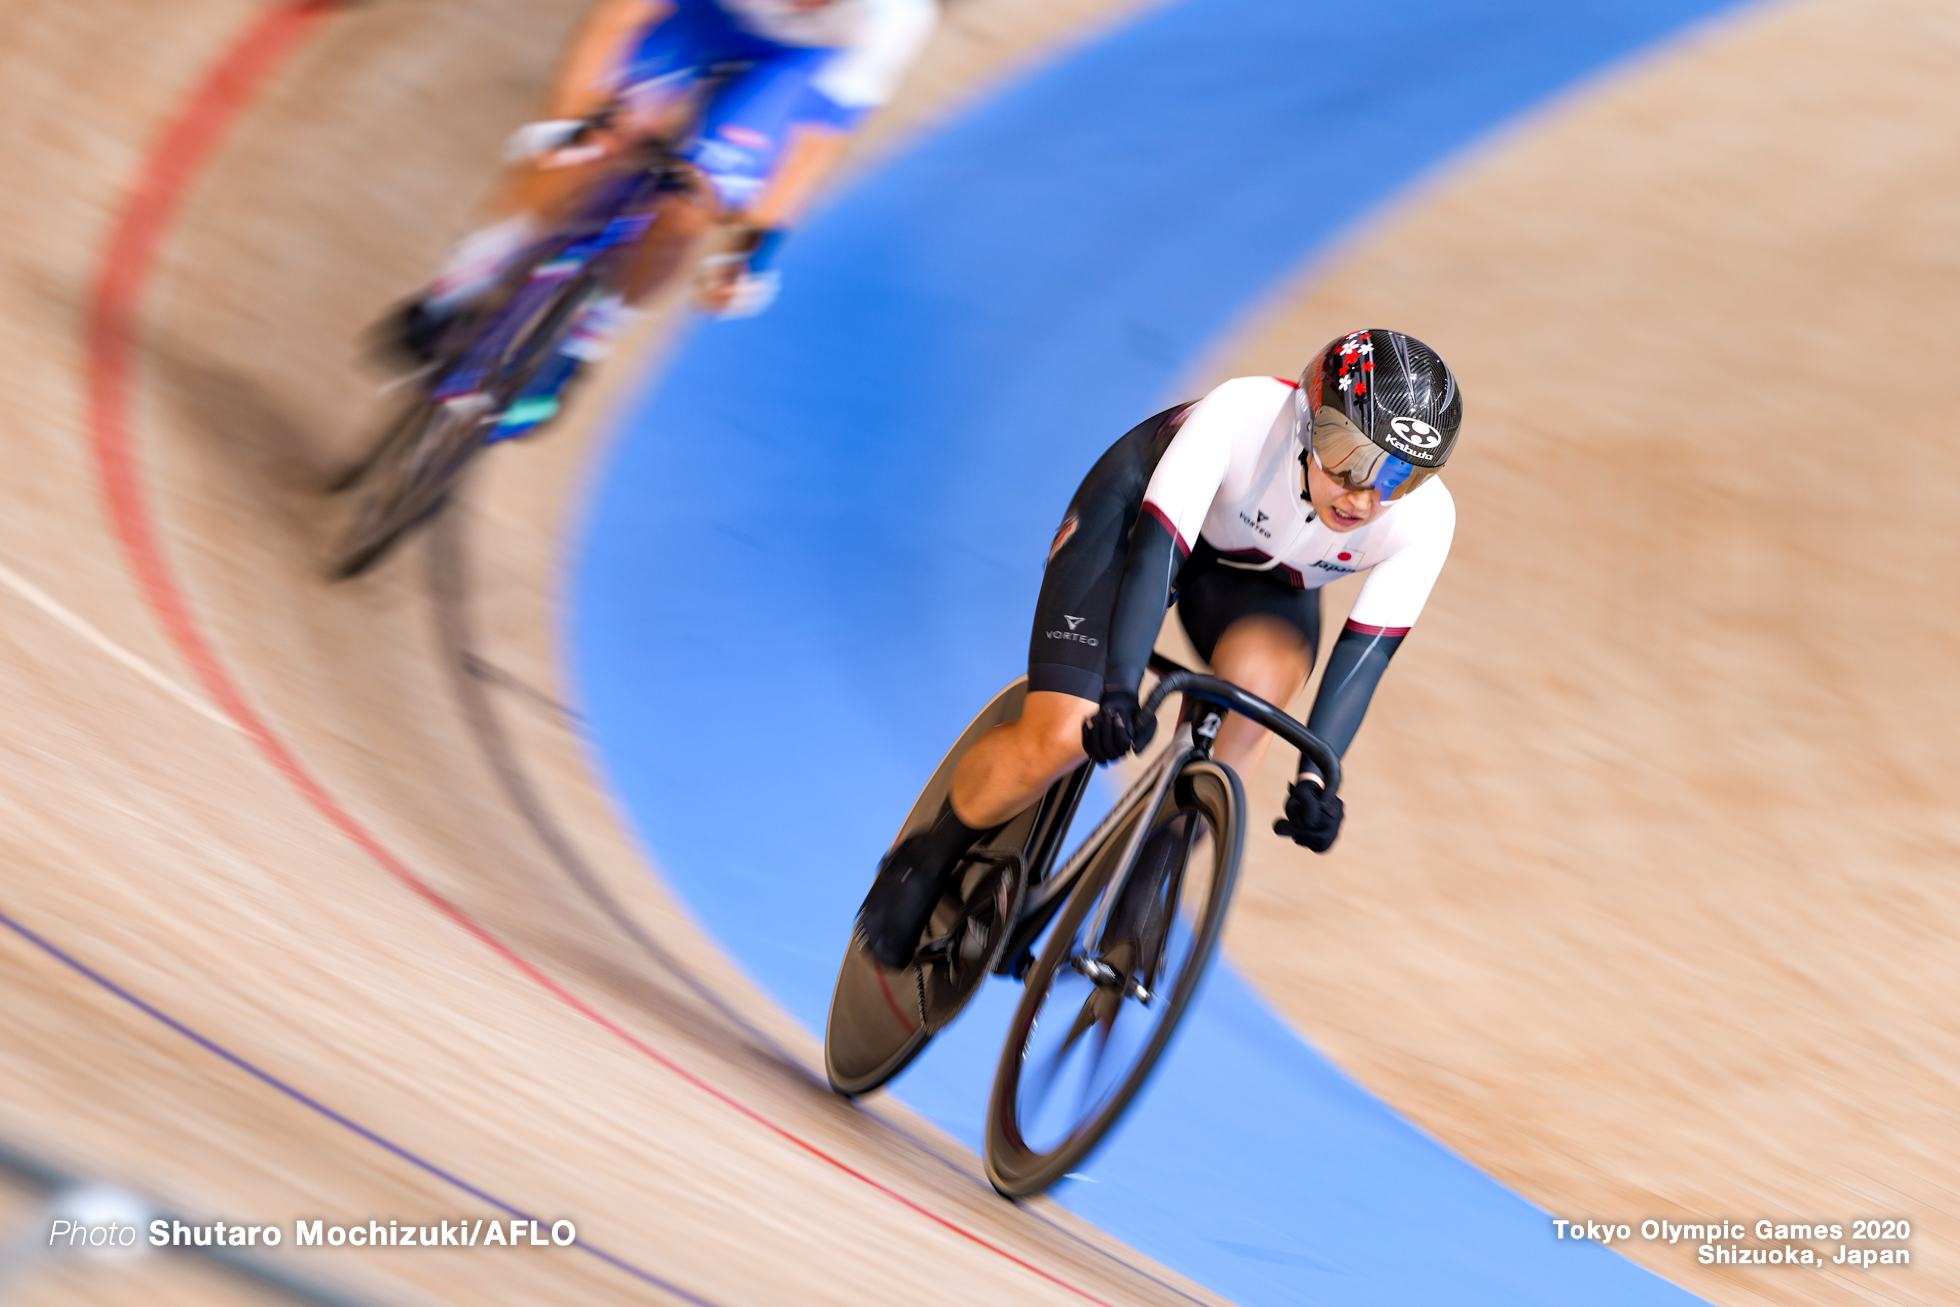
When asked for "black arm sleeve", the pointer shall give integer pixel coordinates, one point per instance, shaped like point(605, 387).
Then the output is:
point(1353, 670)
point(1140, 603)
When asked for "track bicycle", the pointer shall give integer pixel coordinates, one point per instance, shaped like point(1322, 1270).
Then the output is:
point(488, 354)
point(1110, 946)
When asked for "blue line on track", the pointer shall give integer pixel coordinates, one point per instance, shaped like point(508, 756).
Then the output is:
point(311, 1103)
point(829, 525)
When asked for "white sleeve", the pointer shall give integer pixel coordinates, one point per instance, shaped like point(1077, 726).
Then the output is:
point(1392, 596)
point(1187, 478)
point(866, 74)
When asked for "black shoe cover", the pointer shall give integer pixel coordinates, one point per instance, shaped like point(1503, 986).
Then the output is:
point(901, 901)
point(407, 338)
point(420, 330)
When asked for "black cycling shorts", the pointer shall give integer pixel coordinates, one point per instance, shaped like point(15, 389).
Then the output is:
point(1069, 647)
point(1212, 595)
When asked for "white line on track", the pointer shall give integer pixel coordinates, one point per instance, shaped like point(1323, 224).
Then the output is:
point(61, 613)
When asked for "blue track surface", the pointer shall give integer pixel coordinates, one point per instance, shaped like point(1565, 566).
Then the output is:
point(830, 524)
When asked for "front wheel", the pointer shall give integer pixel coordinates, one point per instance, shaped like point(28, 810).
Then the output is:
point(1123, 961)
point(419, 463)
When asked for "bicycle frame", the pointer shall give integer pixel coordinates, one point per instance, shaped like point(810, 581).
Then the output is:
point(1046, 893)
point(1045, 897)
point(618, 214)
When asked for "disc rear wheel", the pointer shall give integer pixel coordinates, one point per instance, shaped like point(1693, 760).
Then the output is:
point(881, 1018)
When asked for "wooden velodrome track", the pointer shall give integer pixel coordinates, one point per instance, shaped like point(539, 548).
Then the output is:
point(1671, 937)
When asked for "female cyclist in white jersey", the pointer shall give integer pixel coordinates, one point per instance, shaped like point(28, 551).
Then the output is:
point(1237, 508)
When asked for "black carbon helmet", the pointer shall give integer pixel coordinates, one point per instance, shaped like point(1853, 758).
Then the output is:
point(1378, 408)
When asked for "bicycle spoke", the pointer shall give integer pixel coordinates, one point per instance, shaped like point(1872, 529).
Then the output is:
point(1106, 992)
point(1106, 1028)
point(1086, 1100)
point(1039, 1071)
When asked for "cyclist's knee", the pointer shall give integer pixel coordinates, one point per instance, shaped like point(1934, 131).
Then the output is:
point(1268, 656)
point(1050, 729)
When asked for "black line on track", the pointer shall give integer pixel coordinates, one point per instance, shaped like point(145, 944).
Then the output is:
point(300, 1096)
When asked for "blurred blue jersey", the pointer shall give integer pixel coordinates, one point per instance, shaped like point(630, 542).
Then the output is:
point(783, 66)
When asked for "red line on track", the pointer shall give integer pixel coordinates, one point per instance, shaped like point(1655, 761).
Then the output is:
point(169, 169)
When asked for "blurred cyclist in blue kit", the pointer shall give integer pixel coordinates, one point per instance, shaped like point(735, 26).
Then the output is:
point(759, 97)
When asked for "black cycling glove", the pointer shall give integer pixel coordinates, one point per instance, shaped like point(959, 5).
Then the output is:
point(1313, 816)
point(1119, 726)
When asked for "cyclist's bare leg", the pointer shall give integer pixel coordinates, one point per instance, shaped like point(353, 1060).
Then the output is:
point(684, 216)
point(533, 194)
point(537, 193)
point(529, 199)
point(550, 192)
point(1271, 659)
point(1010, 766)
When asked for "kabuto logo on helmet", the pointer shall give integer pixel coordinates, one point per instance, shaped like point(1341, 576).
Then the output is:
point(1414, 433)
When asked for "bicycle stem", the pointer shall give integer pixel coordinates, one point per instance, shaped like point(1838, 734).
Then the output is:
point(1228, 696)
